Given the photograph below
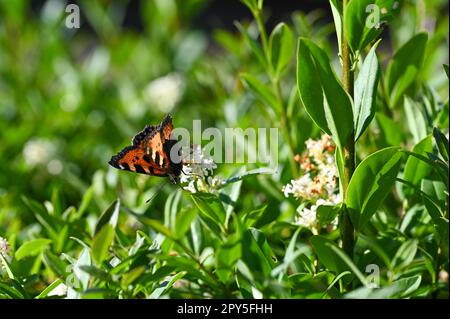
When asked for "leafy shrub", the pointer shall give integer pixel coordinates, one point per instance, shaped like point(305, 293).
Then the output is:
point(377, 104)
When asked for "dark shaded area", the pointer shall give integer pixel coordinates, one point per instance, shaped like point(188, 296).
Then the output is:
point(217, 13)
point(223, 13)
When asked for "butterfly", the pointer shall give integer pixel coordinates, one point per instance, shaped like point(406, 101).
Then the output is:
point(150, 152)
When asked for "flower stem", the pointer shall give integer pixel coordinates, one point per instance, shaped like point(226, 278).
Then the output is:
point(346, 227)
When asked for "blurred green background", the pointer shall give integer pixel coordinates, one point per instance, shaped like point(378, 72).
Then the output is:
point(72, 98)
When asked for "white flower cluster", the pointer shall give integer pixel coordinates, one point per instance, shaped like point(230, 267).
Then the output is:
point(197, 173)
point(318, 185)
point(5, 251)
point(307, 216)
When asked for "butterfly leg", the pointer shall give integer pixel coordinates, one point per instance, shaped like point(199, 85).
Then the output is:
point(173, 179)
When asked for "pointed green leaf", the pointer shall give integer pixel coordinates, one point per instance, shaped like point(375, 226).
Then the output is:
point(366, 92)
point(32, 248)
point(253, 44)
point(404, 67)
point(416, 120)
point(211, 211)
point(100, 245)
point(415, 169)
point(260, 90)
point(110, 215)
point(442, 143)
point(322, 94)
point(370, 184)
point(364, 19)
point(281, 47)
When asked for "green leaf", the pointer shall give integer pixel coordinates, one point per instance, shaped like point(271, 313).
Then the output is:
point(281, 47)
point(364, 18)
point(183, 221)
point(253, 172)
point(333, 257)
point(336, 10)
point(432, 160)
point(262, 91)
point(10, 291)
point(290, 256)
point(404, 67)
point(366, 92)
point(256, 253)
point(327, 213)
point(400, 288)
point(442, 119)
point(85, 201)
point(390, 134)
point(160, 273)
point(42, 216)
point(166, 285)
point(56, 202)
point(109, 216)
point(376, 247)
point(132, 275)
point(254, 45)
point(370, 184)
point(433, 208)
point(156, 225)
point(348, 261)
point(405, 254)
point(32, 248)
point(231, 195)
point(53, 262)
point(251, 217)
point(96, 272)
point(101, 242)
point(83, 260)
point(338, 157)
point(441, 142)
point(49, 288)
point(415, 169)
point(4, 264)
point(251, 4)
point(416, 120)
point(446, 70)
point(323, 96)
point(436, 190)
point(227, 256)
point(212, 211)
point(171, 209)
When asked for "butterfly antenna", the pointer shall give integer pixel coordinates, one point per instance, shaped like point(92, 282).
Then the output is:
point(192, 174)
point(157, 191)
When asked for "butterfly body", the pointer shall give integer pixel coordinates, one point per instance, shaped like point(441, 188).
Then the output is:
point(150, 152)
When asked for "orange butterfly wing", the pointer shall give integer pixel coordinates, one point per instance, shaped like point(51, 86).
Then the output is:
point(153, 143)
point(147, 154)
point(134, 159)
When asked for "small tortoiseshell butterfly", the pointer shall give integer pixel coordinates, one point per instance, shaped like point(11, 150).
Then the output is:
point(150, 152)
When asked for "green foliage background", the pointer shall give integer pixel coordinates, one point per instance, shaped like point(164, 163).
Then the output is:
point(81, 94)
